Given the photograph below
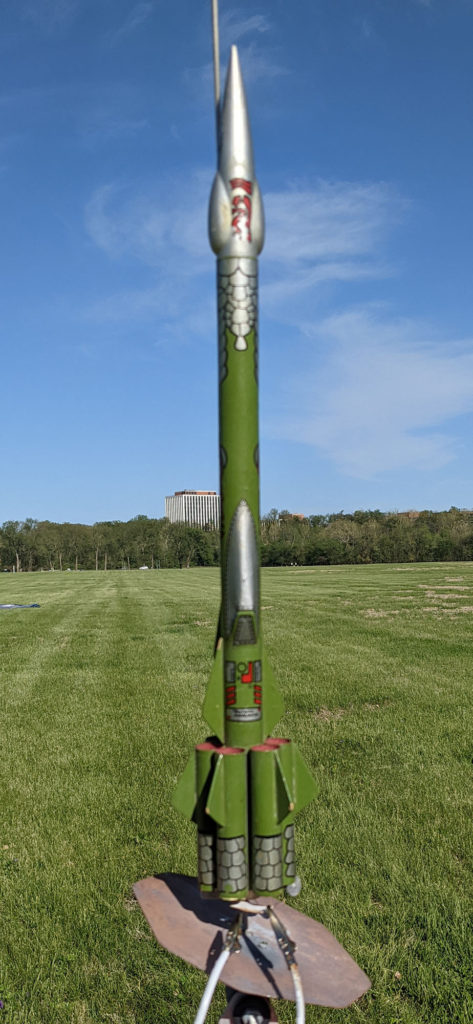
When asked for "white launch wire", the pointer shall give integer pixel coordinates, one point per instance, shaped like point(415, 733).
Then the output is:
point(211, 985)
point(231, 944)
point(288, 948)
point(300, 1004)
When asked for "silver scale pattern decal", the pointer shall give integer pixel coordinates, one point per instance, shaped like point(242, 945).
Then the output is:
point(290, 858)
point(232, 875)
point(205, 854)
point(267, 851)
point(237, 303)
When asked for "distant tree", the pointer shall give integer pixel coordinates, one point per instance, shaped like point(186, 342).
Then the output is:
point(12, 544)
point(183, 544)
point(29, 530)
point(78, 545)
point(98, 541)
point(362, 537)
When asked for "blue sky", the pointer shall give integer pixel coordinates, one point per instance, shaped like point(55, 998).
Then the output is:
point(362, 116)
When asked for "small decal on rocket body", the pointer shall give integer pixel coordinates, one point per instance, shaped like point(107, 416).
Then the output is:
point(241, 207)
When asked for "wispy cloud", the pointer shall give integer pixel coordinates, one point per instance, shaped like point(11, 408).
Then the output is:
point(366, 29)
point(104, 124)
point(282, 296)
point(98, 113)
point(151, 226)
point(329, 219)
point(383, 397)
point(319, 236)
point(135, 17)
point(258, 62)
point(50, 15)
point(233, 27)
point(325, 233)
point(381, 393)
point(167, 232)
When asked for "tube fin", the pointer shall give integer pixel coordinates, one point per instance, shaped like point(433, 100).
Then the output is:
point(213, 703)
point(184, 795)
point(300, 785)
point(216, 802)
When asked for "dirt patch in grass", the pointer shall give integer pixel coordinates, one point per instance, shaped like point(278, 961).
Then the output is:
point(439, 610)
point(440, 586)
point(325, 715)
point(451, 586)
point(335, 714)
point(378, 613)
point(202, 622)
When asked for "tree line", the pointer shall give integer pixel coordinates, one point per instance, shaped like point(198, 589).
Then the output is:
point(340, 538)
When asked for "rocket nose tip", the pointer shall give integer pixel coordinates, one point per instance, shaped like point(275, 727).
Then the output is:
point(234, 88)
point(235, 159)
point(234, 68)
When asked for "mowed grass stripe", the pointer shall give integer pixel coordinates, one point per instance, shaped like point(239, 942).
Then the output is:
point(87, 779)
point(102, 689)
point(381, 705)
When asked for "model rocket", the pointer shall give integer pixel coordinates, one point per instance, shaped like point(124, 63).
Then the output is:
point(242, 787)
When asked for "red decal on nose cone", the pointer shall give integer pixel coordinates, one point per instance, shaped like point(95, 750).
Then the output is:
point(241, 183)
point(241, 207)
point(247, 677)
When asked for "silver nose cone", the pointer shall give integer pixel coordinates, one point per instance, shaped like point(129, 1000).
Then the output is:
point(236, 219)
point(236, 147)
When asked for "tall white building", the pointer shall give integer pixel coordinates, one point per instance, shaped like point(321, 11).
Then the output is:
point(198, 508)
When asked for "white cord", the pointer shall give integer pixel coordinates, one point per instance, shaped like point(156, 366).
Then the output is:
point(211, 986)
point(300, 1005)
point(288, 949)
point(231, 944)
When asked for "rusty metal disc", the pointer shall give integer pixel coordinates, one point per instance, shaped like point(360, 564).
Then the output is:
point(194, 928)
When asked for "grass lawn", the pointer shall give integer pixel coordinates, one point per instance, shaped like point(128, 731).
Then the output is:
point(100, 695)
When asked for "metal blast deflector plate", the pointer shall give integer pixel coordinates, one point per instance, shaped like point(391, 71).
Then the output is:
point(195, 929)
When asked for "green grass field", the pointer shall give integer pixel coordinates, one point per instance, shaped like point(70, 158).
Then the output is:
point(100, 695)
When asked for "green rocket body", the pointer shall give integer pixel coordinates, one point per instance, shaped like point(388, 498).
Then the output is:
point(241, 787)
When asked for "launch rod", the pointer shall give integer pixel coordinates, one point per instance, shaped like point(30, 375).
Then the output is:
point(216, 53)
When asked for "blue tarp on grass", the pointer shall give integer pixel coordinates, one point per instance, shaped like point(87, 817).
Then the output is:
point(19, 606)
